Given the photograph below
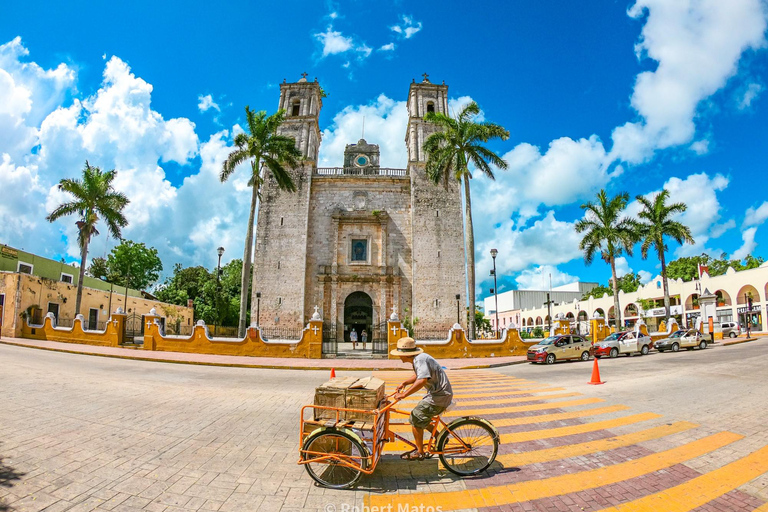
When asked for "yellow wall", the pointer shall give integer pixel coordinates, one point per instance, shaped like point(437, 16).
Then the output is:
point(111, 337)
point(458, 346)
point(39, 291)
point(310, 345)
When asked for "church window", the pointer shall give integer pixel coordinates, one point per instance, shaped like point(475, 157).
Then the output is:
point(359, 250)
point(279, 301)
point(295, 108)
point(430, 107)
point(438, 254)
point(278, 265)
point(437, 213)
point(281, 221)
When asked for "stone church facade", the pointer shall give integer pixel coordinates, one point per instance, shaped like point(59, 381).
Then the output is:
point(359, 241)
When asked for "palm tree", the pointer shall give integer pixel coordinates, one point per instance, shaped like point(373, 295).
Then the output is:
point(94, 199)
point(609, 233)
point(449, 153)
point(657, 215)
point(263, 147)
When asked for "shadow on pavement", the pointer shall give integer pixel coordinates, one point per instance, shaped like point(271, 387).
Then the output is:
point(8, 476)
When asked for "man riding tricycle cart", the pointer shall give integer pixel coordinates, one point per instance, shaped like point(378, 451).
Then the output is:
point(340, 444)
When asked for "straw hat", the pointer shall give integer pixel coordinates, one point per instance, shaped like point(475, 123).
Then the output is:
point(406, 347)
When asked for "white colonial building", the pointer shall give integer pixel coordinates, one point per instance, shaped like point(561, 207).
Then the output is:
point(733, 291)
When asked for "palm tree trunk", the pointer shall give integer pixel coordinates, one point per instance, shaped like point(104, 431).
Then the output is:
point(79, 298)
point(666, 285)
point(245, 278)
point(616, 305)
point(470, 250)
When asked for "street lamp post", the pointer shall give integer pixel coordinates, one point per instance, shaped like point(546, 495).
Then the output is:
point(258, 307)
point(494, 252)
point(220, 252)
point(458, 309)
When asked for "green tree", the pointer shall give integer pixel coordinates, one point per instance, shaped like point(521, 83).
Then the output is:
point(214, 303)
point(629, 283)
point(460, 142)
point(482, 323)
point(598, 292)
point(94, 200)
point(657, 222)
point(262, 146)
point(609, 233)
point(133, 265)
point(98, 269)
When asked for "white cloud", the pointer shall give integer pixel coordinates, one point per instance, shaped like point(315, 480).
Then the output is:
point(538, 278)
point(756, 216)
point(622, 266)
point(408, 28)
point(116, 128)
point(700, 147)
point(751, 92)
point(547, 242)
point(697, 45)
point(333, 42)
point(748, 236)
point(28, 93)
point(363, 50)
point(385, 123)
point(387, 47)
point(645, 276)
point(206, 102)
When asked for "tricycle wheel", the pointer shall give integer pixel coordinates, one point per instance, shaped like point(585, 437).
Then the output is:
point(469, 448)
point(346, 458)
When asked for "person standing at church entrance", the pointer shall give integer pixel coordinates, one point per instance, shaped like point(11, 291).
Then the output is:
point(353, 338)
point(364, 337)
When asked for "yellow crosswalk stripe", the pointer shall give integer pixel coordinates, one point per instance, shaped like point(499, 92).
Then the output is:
point(558, 485)
point(540, 418)
point(577, 450)
point(494, 401)
point(702, 489)
point(532, 435)
point(464, 400)
point(520, 408)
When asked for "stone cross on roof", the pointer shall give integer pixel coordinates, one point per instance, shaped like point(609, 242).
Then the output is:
point(426, 77)
point(304, 75)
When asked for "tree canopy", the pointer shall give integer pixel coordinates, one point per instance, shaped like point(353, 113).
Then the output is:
point(199, 284)
point(129, 264)
point(687, 268)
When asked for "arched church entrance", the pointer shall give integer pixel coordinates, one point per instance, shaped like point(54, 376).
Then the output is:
point(358, 319)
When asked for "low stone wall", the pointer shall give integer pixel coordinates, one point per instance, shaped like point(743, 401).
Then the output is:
point(456, 345)
point(200, 342)
point(111, 336)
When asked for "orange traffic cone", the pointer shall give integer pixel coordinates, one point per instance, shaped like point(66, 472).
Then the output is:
point(595, 375)
point(333, 373)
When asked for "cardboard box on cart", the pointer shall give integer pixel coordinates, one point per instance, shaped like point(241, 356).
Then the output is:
point(364, 394)
point(332, 394)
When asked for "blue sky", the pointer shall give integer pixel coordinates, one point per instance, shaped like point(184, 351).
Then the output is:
point(631, 96)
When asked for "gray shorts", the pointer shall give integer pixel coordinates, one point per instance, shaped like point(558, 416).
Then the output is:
point(422, 414)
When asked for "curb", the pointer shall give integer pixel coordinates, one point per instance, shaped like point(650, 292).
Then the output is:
point(739, 341)
point(244, 365)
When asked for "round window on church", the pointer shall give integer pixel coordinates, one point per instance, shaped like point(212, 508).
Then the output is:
point(361, 160)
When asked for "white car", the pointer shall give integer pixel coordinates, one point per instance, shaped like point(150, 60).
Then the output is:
point(682, 339)
point(623, 343)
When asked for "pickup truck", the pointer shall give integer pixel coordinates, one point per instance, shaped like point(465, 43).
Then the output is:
point(628, 343)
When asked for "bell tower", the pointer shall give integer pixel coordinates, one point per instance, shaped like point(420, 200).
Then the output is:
point(302, 102)
point(422, 98)
point(439, 271)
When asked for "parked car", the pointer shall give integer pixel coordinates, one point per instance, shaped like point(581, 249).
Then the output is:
point(731, 329)
point(560, 347)
point(623, 343)
point(689, 340)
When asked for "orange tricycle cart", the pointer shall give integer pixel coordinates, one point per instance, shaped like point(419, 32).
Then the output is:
point(336, 452)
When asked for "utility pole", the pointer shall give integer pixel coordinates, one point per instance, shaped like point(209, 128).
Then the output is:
point(494, 252)
point(549, 310)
